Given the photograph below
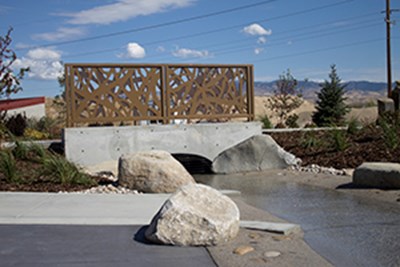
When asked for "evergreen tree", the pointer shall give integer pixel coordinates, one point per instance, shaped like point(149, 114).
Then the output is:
point(331, 107)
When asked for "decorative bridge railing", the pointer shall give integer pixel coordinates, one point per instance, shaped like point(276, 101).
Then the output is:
point(131, 93)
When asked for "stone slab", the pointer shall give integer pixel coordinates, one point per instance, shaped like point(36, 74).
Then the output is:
point(92, 145)
point(382, 175)
point(279, 228)
point(385, 105)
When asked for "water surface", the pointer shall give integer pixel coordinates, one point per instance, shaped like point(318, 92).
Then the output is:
point(345, 229)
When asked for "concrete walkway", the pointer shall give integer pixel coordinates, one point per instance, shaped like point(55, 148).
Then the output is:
point(79, 209)
point(50, 229)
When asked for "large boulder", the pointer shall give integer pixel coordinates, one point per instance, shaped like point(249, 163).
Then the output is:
point(257, 153)
point(195, 215)
point(381, 175)
point(152, 172)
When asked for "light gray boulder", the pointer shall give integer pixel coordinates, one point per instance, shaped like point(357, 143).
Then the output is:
point(195, 215)
point(152, 172)
point(381, 175)
point(258, 153)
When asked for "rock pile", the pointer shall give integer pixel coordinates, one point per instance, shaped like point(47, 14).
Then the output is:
point(109, 189)
point(313, 168)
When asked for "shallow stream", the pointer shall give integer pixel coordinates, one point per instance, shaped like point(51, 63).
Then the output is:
point(345, 229)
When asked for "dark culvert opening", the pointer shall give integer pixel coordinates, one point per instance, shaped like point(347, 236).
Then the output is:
point(194, 164)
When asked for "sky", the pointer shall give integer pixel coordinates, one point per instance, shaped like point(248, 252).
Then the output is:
point(306, 36)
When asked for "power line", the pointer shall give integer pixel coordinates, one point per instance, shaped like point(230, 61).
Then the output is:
point(301, 37)
point(243, 48)
point(159, 25)
point(305, 37)
point(198, 34)
point(322, 49)
point(309, 52)
point(284, 41)
point(295, 54)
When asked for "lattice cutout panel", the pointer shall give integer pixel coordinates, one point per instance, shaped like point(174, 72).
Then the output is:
point(208, 93)
point(110, 94)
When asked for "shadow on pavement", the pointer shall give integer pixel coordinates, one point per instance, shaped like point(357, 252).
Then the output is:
point(139, 236)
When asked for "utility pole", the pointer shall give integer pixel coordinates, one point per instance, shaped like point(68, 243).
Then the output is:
point(388, 50)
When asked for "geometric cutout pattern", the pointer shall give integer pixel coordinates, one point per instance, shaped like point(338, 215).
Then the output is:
point(207, 92)
point(119, 93)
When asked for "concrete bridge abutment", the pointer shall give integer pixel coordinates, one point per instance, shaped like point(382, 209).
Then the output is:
point(88, 146)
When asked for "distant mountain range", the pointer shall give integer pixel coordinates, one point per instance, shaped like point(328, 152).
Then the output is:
point(356, 90)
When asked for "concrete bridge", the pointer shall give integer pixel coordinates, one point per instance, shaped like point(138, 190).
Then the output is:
point(92, 145)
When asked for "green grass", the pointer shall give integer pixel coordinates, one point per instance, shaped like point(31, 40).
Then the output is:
point(310, 140)
point(353, 126)
point(21, 151)
point(62, 171)
point(266, 123)
point(390, 132)
point(339, 140)
point(8, 167)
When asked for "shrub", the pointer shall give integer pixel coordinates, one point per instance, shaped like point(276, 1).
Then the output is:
point(390, 126)
point(33, 152)
point(8, 167)
point(35, 134)
point(4, 132)
point(44, 128)
point(339, 140)
point(291, 121)
point(17, 124)
point(287, 97)
point(353, 126)
point(266, 123)
point(310, 140)
point(37, 153)
point(20, 151)
point(63, 171)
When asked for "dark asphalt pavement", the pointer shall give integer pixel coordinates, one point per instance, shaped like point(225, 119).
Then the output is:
point(77, 245)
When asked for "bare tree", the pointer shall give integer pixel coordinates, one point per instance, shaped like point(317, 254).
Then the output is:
point(287, 97)
point(9, 81)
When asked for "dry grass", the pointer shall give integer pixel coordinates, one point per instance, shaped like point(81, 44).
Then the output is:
point(305, 111)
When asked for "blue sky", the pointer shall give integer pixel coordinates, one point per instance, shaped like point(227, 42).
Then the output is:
point(303, 36)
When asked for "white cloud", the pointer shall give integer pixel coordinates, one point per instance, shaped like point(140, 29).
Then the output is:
point(261, 40)
point(258, 50)
point(43, 54)
point(185, 53)
point(62, 33)
point(134, 50)
point(44, 63)
point(256, 29)
point(160, 49)
point(122, 10)
point(5, 9)
point(22, 46)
